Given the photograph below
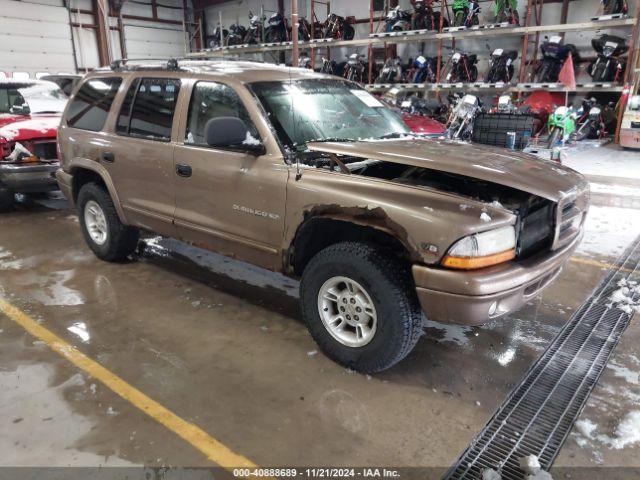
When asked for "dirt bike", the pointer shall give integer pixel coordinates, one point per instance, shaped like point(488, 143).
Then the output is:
point(501, 66)
point(608, 67)
point(561, 125)
point(507, 11)
point(465, 13)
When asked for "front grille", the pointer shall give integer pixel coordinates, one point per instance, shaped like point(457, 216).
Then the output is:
point(45, 150)
point(570, 214)
point(537, 416)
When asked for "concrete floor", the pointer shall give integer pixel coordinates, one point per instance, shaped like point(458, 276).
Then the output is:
point(221, 344)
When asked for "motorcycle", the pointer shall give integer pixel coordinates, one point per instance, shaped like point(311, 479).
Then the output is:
point(278, 30)
point(391, 71)
point(463, 68)
point(608, 67)
point(214, 39)
point(615, 6)
point(425, 69)
point(339, 27)
point(507, 11)
point(304, 30)
point(501, 66)
point(304, 62)
point(355, 68)
point(465, 13)
point(554, 54)
point(460, 124)
point(255, 30)
point(237, 34)
point(593, 120)
point(425, 18)
point(397, 20)
point(561, 125)
point(505, 105)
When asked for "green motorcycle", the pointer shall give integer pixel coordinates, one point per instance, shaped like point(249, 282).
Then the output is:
point(561, 125)
point(507, 11)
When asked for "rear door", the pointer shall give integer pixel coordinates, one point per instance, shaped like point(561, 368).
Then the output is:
point(140, 156)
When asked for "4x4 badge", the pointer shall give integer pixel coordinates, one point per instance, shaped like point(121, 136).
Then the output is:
point(257, 213)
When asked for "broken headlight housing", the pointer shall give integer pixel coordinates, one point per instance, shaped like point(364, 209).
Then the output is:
point(482, 249)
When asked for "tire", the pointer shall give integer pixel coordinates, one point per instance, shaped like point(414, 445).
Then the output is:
point(553, 137)
point(119, 240)
point(490, 75)
point(473, 74)
point(543, 75)
point(600, 73)
point(349, 32)
point(459, 19)
point(388, 285)
point(6, 200)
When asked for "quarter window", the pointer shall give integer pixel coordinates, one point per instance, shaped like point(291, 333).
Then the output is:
point(212, 100)
point(90, 106)
point(148, 109)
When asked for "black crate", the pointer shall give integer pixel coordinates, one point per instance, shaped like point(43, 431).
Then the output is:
point(492, 128)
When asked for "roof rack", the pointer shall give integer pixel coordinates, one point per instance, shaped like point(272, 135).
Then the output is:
point(124, 64)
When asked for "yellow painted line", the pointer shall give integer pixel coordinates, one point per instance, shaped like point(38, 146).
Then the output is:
point(597, 263)
point(212, 448)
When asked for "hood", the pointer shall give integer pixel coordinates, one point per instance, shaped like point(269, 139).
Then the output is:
point(15, 128)
point(520, 171)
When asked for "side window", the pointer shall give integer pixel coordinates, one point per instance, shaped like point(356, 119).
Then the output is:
point(211, 100)
point(148, 109)
point(90, 106)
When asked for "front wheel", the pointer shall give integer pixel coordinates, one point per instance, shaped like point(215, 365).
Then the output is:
point(105, 234)
point(553, 136)
point(360, 305)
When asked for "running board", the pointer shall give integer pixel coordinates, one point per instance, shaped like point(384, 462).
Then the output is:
point(538, 414)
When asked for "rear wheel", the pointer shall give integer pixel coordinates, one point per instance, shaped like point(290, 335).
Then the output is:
point(103, 231)
point(360, 305)
point(585, 131)
point(473, 74)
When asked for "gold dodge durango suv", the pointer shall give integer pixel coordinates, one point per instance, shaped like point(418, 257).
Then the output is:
point(309, 175)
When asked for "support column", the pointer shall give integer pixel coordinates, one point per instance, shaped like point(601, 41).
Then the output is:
point(100, 10)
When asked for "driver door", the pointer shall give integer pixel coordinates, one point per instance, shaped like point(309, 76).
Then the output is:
point(227, 200)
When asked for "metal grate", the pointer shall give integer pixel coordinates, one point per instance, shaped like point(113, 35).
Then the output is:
point(538, 415)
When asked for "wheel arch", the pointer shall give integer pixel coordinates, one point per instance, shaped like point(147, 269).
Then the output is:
point(84, 172)
point(320, 231)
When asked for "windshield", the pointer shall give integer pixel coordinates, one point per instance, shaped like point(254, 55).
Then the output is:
point(38, 97)
point(325, 110)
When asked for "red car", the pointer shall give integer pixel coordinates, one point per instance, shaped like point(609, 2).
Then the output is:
point(30, 113)
point(423, 124)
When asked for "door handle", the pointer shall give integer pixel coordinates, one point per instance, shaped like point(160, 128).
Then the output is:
point(108, 157)
point(183, 170)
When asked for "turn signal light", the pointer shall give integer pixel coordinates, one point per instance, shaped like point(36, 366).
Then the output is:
point(472, 263)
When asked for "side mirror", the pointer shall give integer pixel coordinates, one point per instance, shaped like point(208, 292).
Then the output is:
point(232, 132)
point(20, 109)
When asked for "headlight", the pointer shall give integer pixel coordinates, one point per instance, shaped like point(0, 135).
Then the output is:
point(482, 249)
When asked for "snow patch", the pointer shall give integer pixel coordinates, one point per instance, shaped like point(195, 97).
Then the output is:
point(251, 140)
point(530, 464)
point(622, 298)
point(490, 474)
point(586, 427)
point(484, 216)
point(628, 431)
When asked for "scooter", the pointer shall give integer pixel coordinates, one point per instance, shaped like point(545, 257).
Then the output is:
point(507, 11)
point(425, 69)
point(391, 71)
point(425, 18)
point(460, 124)
point(255, 30)
point(237, 34)
point(608, 67)
point(278, 30)
point(463, 68)
point(397, 20)
point(501, 66)
point(561, 125)
point(339, 27)
point(554, 54)
point(465, 13)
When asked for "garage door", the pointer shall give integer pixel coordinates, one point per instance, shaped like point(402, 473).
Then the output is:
point(35, 38)
point(154, 42)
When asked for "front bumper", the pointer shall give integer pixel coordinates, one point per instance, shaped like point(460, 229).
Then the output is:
point(28, 178)
point(466, 297)
point(65, 182)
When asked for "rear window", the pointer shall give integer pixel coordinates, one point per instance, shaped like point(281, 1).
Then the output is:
point(90, 106)
point(148, 109)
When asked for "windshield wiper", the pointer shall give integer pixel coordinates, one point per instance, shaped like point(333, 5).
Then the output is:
point(332, 139)
point(46, 112)
point(395, 135)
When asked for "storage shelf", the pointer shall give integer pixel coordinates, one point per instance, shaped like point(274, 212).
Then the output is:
point(492, 87)
point(418, 36)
